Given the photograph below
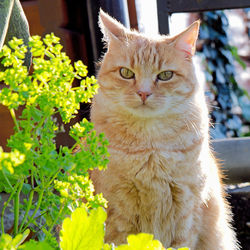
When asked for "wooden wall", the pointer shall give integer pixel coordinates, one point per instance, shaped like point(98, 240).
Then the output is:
point(66, 19)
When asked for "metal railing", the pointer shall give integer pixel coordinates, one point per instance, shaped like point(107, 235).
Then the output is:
point(167, 7)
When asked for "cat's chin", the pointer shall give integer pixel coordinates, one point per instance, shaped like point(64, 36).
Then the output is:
point(145, 111)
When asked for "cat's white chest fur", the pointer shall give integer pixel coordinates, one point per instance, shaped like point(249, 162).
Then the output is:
point(151, 193)
point(159, 197)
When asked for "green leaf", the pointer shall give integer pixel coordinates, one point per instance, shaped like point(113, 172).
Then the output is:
point(19, 239)
point(81, 68)
point(108, 247)
point(83, 231)
point(37, 245)
point(7, 243)
point(26, 188)
point(141, 241)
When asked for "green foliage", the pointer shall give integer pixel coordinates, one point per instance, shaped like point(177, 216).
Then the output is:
point(53, 181)
point(140, 242)
point(9, 243)
point(220, 74)
point(83, 226)
point(10, 160)
point(90, 227)
point(85, 230)
point(37, 245)
point(13, 23)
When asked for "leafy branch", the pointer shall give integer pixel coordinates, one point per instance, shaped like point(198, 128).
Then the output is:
point(34, 168)
point(54, 182)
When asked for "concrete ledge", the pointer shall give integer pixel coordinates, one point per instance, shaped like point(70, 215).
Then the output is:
point(234, 154)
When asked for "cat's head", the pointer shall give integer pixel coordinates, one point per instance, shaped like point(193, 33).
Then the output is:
point(147, 76)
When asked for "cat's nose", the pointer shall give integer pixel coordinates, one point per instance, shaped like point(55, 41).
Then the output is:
point(144, 95)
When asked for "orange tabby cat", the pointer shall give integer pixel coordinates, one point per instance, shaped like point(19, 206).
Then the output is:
point(162, 178)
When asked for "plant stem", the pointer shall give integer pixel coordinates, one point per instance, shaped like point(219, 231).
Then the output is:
point(53, 178)
point(7, 180)
point(38, 204)
point(16, 207)
point(36, 224)
point(55, 220)
point(27, 210)
point(32, 178)
point(40, 215)
point(5, 206)
point(39, 125)
point(13, 115)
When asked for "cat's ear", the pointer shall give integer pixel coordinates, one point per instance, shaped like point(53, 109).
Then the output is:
point(110, 28)
point(186, 40)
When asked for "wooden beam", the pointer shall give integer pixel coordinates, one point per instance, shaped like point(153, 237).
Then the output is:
point(132, 14)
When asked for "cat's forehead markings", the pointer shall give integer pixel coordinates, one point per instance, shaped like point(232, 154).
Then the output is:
point(147, 55)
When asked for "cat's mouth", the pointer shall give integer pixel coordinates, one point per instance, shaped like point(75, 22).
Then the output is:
point(144, 107)
point(144, 110)
point(140, 108)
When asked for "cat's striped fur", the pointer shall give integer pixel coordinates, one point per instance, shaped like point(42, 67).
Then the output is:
point(162, 177)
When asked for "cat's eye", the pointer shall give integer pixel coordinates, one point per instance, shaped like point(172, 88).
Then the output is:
point(127, 73)
point(165, 75)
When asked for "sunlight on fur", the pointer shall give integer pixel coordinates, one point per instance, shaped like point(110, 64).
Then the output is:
point(162, 178)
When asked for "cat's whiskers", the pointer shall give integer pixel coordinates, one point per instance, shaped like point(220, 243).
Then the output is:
point(196, 130)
